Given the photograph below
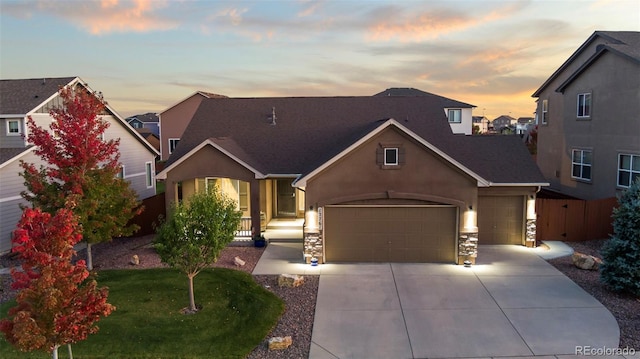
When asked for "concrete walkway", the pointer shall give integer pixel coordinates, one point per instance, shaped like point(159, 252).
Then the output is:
point(511, 303)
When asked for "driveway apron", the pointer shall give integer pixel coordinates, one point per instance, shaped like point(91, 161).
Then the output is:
point(511, 303)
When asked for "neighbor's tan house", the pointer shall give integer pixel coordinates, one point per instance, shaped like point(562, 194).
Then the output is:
point(375, 178)
point(22, 98)
point(589, 118)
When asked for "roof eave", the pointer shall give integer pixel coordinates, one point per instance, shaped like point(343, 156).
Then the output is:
point(12, 159)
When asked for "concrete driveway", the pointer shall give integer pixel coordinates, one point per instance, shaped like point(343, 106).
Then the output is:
point(511, 303)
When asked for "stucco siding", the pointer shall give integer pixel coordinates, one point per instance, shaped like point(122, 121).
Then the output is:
point(173, 121)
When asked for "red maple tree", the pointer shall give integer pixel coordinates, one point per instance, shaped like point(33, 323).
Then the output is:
point(57, 304)
point(81, 171)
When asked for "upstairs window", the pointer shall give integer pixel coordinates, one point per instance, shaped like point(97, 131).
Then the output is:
point(391, 156)
point(13, 127)
point(455, 115)
point(581, 165)
point(628, 169)
point(584, 105)
point(173, 143)
point(545, 112)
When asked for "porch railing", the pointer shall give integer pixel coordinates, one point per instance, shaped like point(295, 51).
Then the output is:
point(244, 228)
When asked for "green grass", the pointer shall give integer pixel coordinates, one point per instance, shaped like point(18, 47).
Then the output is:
point(236, 316)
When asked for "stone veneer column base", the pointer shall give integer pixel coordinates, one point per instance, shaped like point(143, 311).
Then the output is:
point(467, 247)
point(530, 235)
point(312, 247)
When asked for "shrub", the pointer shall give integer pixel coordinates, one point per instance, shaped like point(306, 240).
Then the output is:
point(621, 253)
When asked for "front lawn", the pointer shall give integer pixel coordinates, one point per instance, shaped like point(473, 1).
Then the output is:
point(236, 316)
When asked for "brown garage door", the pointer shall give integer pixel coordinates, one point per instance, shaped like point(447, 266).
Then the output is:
point(500, 219)
point(390, 234)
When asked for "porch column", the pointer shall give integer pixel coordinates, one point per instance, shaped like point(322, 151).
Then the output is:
point(254, 199)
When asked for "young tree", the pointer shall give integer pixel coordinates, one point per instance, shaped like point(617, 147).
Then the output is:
point(195, 233)
point(57, 304)
point(621, 253)
point(81, 170)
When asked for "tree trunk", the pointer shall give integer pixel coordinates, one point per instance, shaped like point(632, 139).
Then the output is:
point(70, 351)
point(89, 257)
point(54, 352)
point(192, 301)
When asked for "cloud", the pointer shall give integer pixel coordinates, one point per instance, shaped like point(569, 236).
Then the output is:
point(99, 18)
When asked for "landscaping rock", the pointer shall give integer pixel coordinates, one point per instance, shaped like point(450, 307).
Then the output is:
point(238, 262)
point(585, 261)
point(135, 260)
point(280, 343)
point(290, 280)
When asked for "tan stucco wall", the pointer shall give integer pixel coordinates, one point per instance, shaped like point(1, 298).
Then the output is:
point(424, 177)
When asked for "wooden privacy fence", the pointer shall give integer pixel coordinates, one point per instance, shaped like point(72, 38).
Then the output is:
point(153, 208)
point(573, 219)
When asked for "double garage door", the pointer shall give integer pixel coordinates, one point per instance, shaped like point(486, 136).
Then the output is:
point(390, 234)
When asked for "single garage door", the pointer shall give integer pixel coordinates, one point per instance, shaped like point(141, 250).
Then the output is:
point(500, 219)
point(390, 234)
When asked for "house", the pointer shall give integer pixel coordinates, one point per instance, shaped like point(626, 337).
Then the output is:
point(175, 119)
point(148, 120)
point(375, 178)
point(459, 114)
point(150, 137)
point(503, 123)
point(22, 98)
point(524, 124)
point(482, 124)
point(589, 129)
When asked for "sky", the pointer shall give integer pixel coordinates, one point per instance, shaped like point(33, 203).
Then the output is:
point(147, 55)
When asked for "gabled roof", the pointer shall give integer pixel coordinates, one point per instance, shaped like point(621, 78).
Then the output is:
point(149, 117)
point(410, 92)
point(630, 52)
point(504, 118)
point(8, 155)
point(19, 97)
point(308, 132)
point(204, 94)
point(626, 42)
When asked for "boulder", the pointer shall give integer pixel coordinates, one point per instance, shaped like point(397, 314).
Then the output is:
point(290, 280)
point(585, 261)
point(238, 262)
point(135, 260)
point(279, 343)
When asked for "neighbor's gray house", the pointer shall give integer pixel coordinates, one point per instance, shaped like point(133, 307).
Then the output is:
point(149, 121)
point(22, 98)
point(375, 178)
point(589, 118)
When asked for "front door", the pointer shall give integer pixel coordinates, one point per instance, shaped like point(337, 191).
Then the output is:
point(285, 198)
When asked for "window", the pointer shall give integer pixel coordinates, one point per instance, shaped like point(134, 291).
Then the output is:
point(13, 127)
point(121, 172)
point(628, 169)
point(584, 105)
point(581, 165)
point(391, 156)
point(455, 115)
point(545, 112)
point(173, 143)
point(149, 174)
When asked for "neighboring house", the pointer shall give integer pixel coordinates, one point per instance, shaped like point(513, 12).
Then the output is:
point(524, 124)
point(589, 123)
point(150, 137)
point(148, 121)
point(459, 114)
point(376, 178)
point(482, 122)
point(503, 123)
point(20, 99)
point(175, 119)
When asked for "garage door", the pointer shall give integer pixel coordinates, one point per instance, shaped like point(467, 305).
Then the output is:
point(500, 219)
point(390, 234)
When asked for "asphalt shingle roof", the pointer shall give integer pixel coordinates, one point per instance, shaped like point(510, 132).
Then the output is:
point(308, 131)
point(17, 97)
